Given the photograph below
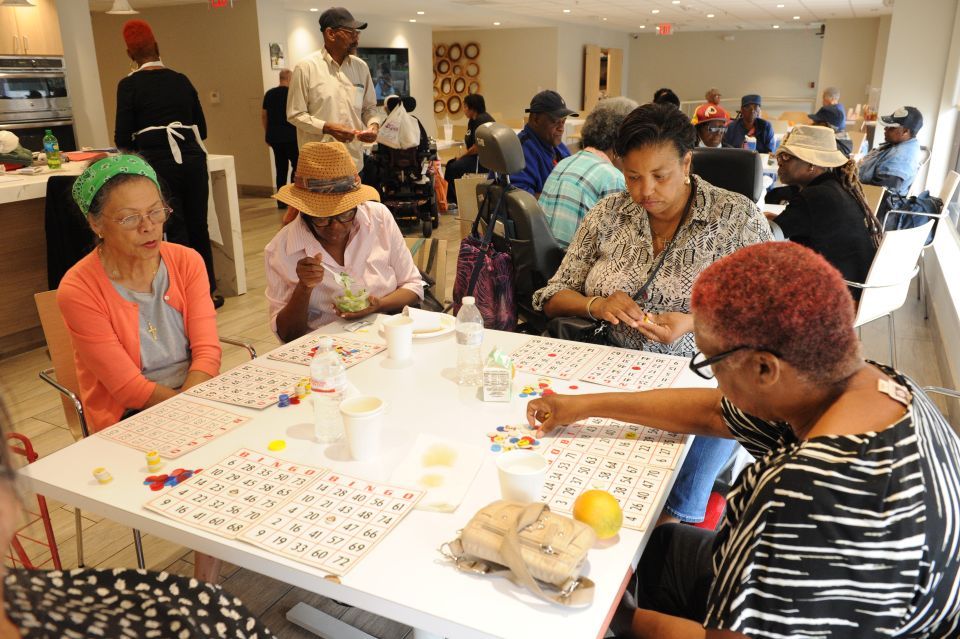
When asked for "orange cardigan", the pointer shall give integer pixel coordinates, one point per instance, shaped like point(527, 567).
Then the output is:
point(105, 331)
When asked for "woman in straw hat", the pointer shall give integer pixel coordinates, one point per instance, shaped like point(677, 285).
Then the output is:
point(829, 213)
point(341, 229)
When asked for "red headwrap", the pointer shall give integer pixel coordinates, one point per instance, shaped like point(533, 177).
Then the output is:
point(138, 35)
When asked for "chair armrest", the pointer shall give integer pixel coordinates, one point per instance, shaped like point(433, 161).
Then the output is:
point(916, 270)
point(235, 342)
point(939, 390)
point(47, 376)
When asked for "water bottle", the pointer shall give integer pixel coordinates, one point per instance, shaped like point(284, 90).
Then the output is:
point(469, 339)
point(328, 381)
point(52, 149)
point(750, 143)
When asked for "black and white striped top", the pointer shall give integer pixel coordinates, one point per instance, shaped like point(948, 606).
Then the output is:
point(842, 536)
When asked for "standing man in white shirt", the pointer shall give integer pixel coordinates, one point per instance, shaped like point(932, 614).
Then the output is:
point(331, 94)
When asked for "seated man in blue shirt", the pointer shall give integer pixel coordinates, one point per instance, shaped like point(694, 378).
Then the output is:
point(542, 141)
point(749, 123)
point(894, 164)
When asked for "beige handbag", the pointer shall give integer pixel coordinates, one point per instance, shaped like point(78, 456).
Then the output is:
point(529, 544)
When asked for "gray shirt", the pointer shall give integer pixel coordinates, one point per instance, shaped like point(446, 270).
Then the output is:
point(164, 348)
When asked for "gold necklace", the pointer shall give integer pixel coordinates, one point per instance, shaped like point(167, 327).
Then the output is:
point(152, 330)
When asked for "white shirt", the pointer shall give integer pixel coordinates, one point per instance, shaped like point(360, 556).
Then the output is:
point(376, 258)
point(323, 91)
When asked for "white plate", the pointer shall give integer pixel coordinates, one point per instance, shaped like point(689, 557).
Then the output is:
point(448, 324)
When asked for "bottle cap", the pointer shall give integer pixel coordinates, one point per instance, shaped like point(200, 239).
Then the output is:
point(468, 301)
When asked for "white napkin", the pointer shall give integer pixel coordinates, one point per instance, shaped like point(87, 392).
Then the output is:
point(442, 467)
point(424, 321)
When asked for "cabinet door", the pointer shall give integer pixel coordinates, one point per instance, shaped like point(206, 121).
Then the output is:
point(614, 72)
point(591, 76)
point(9, 38)
point(40, 29)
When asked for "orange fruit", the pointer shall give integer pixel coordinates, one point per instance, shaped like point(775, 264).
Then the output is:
point(599, 510)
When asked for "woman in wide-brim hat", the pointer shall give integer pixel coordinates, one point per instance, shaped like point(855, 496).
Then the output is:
point(340, 227)
point(829, 213)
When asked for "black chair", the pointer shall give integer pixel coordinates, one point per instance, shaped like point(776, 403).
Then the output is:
point(521, 227)
point(69, 237)
point(737, 170)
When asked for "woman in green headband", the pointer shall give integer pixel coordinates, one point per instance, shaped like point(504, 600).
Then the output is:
point(138, 309)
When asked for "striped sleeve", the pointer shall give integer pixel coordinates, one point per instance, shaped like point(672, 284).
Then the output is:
point(758, 436)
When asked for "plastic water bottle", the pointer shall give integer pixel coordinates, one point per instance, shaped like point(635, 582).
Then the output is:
point(328, 381)
point(750, 143)
point(52, 150)
point(469, 339)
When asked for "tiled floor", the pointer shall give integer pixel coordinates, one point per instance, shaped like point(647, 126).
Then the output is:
point(35, 411)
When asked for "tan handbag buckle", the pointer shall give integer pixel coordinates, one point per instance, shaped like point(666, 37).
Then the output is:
point(569, 588)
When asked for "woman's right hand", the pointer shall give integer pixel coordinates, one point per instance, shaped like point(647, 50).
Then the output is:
point(310, 271)
point(553, 411)
point(618, 307)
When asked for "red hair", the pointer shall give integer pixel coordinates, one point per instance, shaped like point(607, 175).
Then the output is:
point(138, 37)
point(784, 298)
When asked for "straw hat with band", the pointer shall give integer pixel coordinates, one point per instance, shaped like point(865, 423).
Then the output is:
point(816, 145)
point(86, 187)
point(326, 182)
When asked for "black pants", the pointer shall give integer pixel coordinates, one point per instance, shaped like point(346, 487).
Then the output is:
point(673, 577)
point(186, 189)
point(457, 169)
point(285, 156)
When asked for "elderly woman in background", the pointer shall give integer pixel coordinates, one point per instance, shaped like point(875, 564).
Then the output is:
point(341, 228)
point(586, 177)
point(634, 258)
point(138, 309)
point(829, 212)
point(848, 523)
point(120, 602)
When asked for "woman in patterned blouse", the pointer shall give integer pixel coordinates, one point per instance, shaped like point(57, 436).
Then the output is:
point(848, 524)
point(665, 215)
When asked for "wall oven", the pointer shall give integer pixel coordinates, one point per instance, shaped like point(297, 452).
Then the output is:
point(33, 98)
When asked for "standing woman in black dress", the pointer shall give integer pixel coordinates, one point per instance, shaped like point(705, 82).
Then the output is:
point(159, 117)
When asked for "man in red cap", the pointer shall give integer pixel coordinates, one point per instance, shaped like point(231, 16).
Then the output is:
point(331, 94)
point(711, 122)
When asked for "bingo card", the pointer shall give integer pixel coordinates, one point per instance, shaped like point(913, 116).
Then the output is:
point(554, 358)
point(310, 514)
point(629, 369)
point(351, 351)
point(630, 462)
point(174, 427)
point(248, 385)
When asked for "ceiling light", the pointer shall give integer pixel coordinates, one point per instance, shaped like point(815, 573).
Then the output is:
point(566, 10)
point(314, 9)
point(779, 6)
point(710, 15)
point(776, 26)
point(643, 26)
point(23, 3)
point(413, 20)
point(796, 17)
point(655, 11)
point(675, 2)
point(496, 24)
point(420, 13)
point(120, 7)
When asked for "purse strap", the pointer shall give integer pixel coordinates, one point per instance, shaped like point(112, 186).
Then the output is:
point(576, 592)
point(487, 236)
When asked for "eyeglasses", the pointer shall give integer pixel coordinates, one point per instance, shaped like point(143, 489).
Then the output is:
point(343, 218)
point(701, 365)
point(783, 158)
point(157, 216)
point(349, 31)
point(716, 129)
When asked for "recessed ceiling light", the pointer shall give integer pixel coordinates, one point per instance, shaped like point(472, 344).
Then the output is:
point(413, 19)
point(566, 10)
point(796, 17)
point(655, 11)
point(675, 2)
point(776, 26)
point(604, 19)
point(314, 9)
point(420, 13)
point(710, 15)
point(496, 24)
point(643, 26)
point(779, 6)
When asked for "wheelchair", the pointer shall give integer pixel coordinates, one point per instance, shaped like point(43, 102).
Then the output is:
point(406, 185)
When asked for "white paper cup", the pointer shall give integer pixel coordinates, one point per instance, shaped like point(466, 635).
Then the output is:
point(522, 473)
point(362, 425)
point(399, 333)
point(447, 131)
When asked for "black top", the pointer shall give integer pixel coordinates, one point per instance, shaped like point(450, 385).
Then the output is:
point(825, 217)
point(842, 536)
point(279, 131)
point(157, 98)
point(470, 138)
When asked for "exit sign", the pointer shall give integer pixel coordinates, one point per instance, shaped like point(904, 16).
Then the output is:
point(216, 4)
point(665, 29)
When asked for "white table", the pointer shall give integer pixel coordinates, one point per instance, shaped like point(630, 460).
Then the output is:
point(404, 578)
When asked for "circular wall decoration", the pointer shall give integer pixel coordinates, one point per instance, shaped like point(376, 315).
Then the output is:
point(436, 91)
point(454, 52)
point(440, 51)
point(453, 104)
point(459, 85)
point(473, 69)
point(473, 87)
point(443, 66)
point(445, 86)
point(457, 69)
point(439, 106)
point(471, 50)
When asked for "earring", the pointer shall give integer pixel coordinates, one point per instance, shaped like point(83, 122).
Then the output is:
point(686, 179)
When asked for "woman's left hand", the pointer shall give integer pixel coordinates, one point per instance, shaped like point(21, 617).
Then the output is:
point(665, 328)
point(373, 306)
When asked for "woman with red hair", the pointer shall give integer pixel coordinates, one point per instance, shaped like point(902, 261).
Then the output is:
point(848, 523)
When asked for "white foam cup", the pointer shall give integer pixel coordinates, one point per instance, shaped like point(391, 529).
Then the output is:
point(399, 333)
point(522, 473)
point(362, 425)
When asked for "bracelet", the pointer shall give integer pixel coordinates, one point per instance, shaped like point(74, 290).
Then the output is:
point(590, 303)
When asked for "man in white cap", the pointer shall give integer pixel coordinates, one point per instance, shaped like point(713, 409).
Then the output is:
point(331, 93)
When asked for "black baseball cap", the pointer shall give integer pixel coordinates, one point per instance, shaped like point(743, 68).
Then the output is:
point(339, 18)
point(830, 114)
point(551, 103)
point(907, 117)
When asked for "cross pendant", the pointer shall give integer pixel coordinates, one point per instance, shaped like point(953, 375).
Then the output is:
point(152, 330)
